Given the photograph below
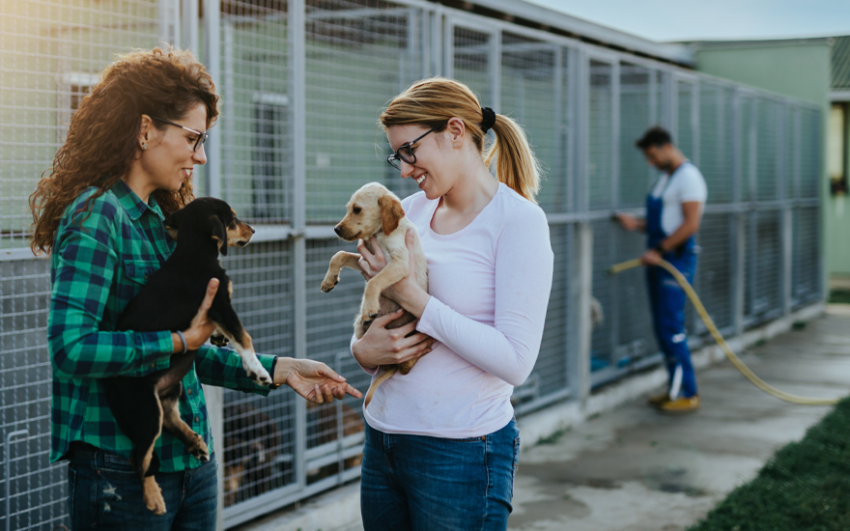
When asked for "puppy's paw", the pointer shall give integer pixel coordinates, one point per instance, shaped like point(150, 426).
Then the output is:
point(369, 311)
point(329, 282)
point(219, 341)
point(258, 373)
point(199, 449)
point(152, 496)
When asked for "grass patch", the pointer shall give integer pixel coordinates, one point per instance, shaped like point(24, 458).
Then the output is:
point(806, 486)
point(839, 296)
point(553, 438)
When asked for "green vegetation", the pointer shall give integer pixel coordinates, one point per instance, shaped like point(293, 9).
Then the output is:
point(806, 486)
point(839, 296)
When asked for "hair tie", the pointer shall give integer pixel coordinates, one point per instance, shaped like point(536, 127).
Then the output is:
point(489, 119)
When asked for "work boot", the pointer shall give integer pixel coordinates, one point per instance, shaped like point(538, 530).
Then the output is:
point(681, 405)
point(657, 400)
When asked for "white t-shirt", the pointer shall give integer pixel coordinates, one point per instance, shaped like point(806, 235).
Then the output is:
point(687, 185)
point(489, 284)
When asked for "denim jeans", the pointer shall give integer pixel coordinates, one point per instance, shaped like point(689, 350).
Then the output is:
point(414, 482)
point(105, 493)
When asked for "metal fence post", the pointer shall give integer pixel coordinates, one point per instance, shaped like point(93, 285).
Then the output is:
point(581, 287)
point(214, 396)
point(212, 57)
point(298, 21)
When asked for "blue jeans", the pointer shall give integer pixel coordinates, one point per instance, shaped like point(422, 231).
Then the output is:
point(414, 482)
point(105, 493)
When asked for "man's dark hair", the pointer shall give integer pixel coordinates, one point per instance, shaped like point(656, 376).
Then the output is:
point(655, 136)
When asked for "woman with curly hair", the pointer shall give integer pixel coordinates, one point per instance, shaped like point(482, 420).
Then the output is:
point(126, 165)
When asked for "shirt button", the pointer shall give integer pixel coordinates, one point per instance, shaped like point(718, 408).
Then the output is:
point(189, 392)
point(197, 420)
point(153, 365)
point(146, 276)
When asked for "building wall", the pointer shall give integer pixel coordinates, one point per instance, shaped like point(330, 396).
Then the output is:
point(799, 69)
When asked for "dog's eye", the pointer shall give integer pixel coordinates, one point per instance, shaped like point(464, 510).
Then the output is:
point(356, 210)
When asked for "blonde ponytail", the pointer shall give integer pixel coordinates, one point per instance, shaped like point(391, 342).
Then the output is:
point(434, 101)
point(516, 164)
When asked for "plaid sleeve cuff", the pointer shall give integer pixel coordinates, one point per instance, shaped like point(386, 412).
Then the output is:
point(223, 367)
point(156, 348)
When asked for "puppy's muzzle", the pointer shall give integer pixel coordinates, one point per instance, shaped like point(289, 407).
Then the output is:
point(246, 232)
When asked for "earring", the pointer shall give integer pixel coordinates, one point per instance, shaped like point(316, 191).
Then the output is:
point(144, 146)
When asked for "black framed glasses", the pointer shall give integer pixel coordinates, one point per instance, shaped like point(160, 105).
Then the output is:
point(202, 137)
point(405, 152)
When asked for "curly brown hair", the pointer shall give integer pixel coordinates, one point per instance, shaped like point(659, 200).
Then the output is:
point(102, 138)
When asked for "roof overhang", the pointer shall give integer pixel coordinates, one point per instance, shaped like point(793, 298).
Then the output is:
point(533, 15)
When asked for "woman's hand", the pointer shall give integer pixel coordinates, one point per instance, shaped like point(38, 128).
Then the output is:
point(380, 346)
point(201, 327)
point(313, 380)
point(370, 264)
point(406, 292)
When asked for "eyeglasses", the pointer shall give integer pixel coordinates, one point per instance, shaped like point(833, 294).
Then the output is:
point(202, 137)
point(405, 152)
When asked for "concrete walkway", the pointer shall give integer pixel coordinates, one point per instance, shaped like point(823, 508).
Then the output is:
point(634, 469)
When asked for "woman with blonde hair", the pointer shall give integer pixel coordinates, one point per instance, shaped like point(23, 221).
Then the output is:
point(442, 444)
point(126, 165)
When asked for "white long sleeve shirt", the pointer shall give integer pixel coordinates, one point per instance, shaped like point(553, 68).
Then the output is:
point(489, 284)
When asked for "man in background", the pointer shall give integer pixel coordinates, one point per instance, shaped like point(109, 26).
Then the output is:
point(674, 208)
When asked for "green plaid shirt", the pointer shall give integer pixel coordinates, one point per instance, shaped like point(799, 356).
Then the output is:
point(97, 266)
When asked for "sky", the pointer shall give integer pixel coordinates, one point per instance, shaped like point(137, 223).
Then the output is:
point(682, 20)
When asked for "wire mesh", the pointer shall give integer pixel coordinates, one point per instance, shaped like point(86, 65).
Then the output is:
point(50, 55)
point(746, 160)
point(715, 271)
point(330, 318)
point(471, 61)
point(36, 489)
point(600, 136)
point(635, 339)
point(550, 373)
point(767, 258)
point(637, 114)
point(257, 107)
point(602, 337)
point(359, 55)
point(716, 141)
point(768, 150)
point(259, 433)
point(805, 273)
point(810, 152)
point(685, 125)
point(531, 87)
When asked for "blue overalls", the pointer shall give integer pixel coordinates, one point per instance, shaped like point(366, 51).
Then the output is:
point(667, 299)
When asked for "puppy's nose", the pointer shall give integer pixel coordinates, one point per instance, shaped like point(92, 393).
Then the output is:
point(252, 229)
point(337, 230)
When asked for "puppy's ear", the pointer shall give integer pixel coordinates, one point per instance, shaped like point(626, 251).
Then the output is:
point(391, 213)
point(218, 232)
point(172, 223)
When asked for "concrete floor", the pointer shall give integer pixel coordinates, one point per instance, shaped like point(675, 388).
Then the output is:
point(635, 469)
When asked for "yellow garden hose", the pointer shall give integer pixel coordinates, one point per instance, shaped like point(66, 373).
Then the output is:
point(692, 295)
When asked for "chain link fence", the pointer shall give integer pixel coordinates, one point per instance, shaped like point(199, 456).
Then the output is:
point(302, 84)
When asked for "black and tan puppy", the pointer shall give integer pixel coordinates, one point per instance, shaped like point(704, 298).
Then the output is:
point(142, 407)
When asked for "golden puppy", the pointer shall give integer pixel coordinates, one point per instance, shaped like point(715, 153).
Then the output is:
point(375, 211)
